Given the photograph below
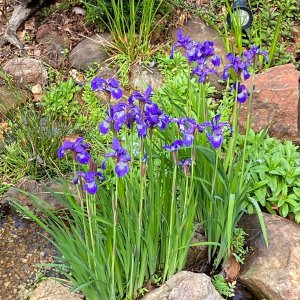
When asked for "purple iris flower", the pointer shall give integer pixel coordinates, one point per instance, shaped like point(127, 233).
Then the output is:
point(255, 50)
point(200, 53)
point(120, 114)
point(188, 127)
point(90, 180)
point(182, 41)
point(174, 146)
point(111, 85)
point(215, 130)
point(202, 70)
point(136, 95)
point(155, 117)
point(185, 164)
point(78, 148)
point(238, 65)
point(122, 158)
point(242, 92)
point(215, 60)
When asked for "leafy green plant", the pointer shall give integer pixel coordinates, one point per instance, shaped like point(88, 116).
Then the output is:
point(274, 179)
point(224, 288)
point(60, 101)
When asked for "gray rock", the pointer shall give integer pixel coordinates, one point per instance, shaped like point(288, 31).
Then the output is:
point(26, 70)
point(52, 290)
point(185, 286)
point(141, 77)
point(44, 190)
point(90, 50)
point(198, 30)
point(272, 272)
point(10, 99)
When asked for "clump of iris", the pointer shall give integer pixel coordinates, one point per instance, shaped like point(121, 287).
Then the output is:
point(204, 61)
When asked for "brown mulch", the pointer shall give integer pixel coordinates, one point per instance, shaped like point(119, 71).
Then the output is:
point(22, 246)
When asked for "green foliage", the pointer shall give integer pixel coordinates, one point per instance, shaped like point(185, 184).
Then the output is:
point(113, 243)
point(130, 22)
point(224, 288)
point(238, 244)
point(31, 145)
point(60, 101)
point(223, 197)
point(274, 181)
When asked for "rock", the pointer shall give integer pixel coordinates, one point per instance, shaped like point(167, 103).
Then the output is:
point(26, 70)
point(272, 272)
point(185, 286)
point(141, 77)
point(197, 255)
point(41, 189)
point(275, 103)
point(199, 31)
point(10, 99)
point(90, 50)
point(52, 290)
point(53, 43)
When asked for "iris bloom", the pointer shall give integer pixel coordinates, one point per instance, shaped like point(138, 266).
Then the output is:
point(255, 50)
point(182, 41)
point(111, 85)
point(122, 158)
point(185, 164)
point(200, 53)
point(242, 92)
point(238, 65)
point(120, 114)
point(89, 177)
point(78, 148)
point(136, 95)
point(174, 146)
point(214, 130)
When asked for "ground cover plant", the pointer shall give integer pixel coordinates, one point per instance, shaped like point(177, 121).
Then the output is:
point(274, 175)
point(159, 172)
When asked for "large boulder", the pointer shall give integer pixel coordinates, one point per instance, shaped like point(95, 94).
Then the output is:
point(26, 71)
point(272, 272)
point(141, 77)
point(90, 50)
point(275, 102)
point(185, 286)
point(52, 290)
